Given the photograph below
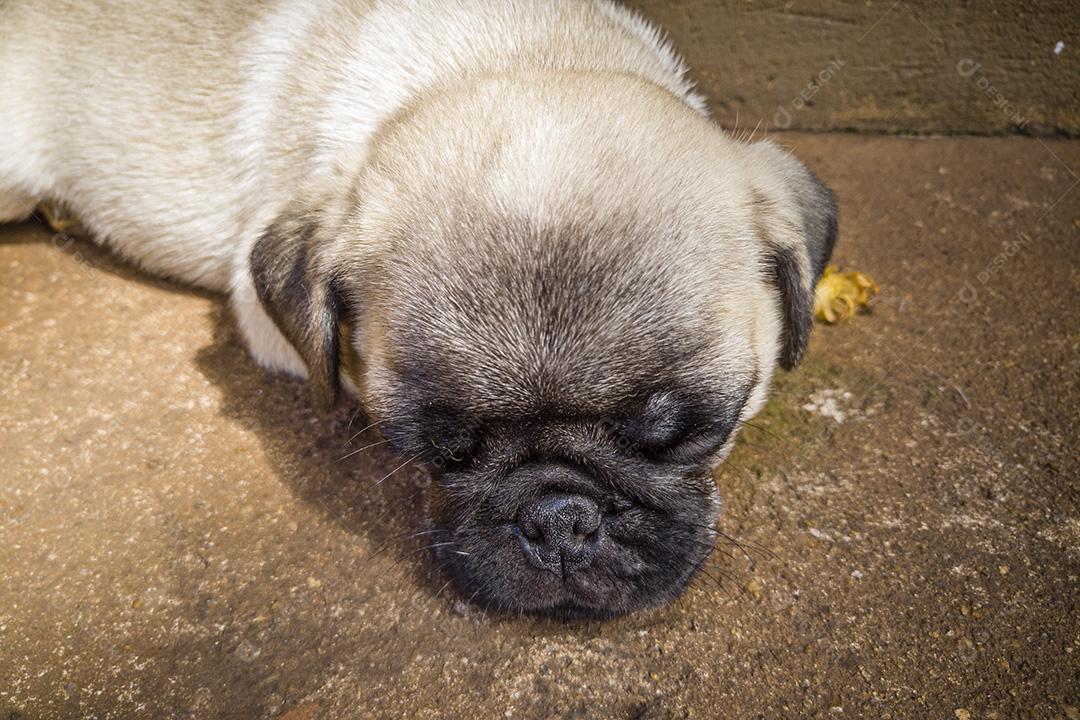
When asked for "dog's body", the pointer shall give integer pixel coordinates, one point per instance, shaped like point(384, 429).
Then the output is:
point(518, 208)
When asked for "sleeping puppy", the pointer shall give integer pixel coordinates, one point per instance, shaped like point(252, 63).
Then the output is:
point(507, 227)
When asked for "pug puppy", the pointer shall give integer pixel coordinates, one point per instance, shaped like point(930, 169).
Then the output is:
point(509, 228)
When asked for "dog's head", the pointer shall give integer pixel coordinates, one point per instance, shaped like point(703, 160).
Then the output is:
point(569, 337)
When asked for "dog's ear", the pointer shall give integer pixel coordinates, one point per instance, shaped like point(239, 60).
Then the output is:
point(796, 217)
point(302, 297)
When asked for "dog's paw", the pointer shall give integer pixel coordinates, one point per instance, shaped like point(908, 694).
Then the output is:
point(59, 218)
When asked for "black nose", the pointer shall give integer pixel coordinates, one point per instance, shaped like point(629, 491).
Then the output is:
point(559, 532)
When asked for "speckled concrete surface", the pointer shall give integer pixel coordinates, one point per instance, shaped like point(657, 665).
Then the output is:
point(179, 537)
point(886, 65)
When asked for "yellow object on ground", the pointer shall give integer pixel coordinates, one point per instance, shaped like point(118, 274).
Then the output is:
point(839, 295)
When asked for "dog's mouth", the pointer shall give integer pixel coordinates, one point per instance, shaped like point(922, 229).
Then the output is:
point(570, 557)
point(578, 595)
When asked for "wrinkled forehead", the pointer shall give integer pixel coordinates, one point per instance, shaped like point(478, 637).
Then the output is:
point(511, 318)
point(520, 373)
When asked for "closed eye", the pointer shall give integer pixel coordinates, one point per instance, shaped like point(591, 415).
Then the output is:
point(676, 444)
point(674, 429)
point(700, 443)
point(705, 438)
point(656, 436)
point(658, 427)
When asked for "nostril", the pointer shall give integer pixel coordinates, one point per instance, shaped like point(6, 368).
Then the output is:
point(530, 529)
point(586, 525)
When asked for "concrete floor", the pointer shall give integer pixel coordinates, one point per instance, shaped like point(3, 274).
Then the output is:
point(178, 538)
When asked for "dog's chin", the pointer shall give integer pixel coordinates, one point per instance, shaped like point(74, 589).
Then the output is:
point(489, 568)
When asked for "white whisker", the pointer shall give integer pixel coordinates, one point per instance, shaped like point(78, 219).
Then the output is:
point(358, 450)
point(414, 457)
point(363, 430)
